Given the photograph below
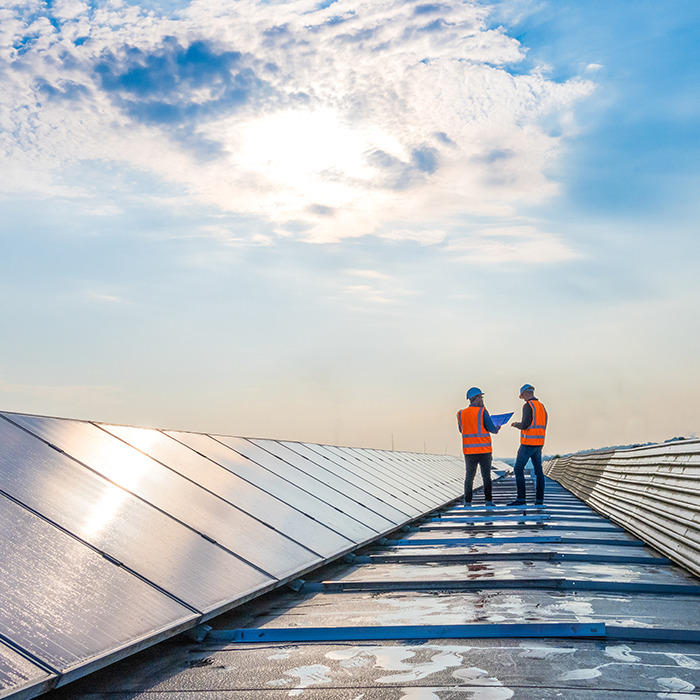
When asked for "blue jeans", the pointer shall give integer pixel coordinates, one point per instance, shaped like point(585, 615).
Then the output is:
point(526, 453)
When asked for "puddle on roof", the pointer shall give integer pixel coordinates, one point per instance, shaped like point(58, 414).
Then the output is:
point(540, 650)
point(441, 657)
point(621, 652)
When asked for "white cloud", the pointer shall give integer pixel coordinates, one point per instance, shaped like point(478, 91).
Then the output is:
point(422, 236)
point(522, 244)
point(363, 117)
point(373, 274)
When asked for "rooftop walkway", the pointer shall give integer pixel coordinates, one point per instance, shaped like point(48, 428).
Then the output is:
point(475, 603)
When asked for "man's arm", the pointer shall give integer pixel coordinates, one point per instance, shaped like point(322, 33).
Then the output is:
point(459, 420)
point(488, 423)
point(525, 423)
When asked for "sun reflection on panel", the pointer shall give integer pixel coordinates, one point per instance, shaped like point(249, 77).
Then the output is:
point(107, 508)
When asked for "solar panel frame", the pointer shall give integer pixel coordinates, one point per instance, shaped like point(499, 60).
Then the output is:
point(26, 677)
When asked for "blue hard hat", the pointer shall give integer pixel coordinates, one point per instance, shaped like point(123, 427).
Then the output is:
point(526, 387)
point(474, 391)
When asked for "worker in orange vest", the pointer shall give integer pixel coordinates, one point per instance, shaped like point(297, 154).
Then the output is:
point(532, 429)
point(475, 424)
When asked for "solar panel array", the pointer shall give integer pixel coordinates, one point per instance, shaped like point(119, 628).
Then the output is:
point(113, 538)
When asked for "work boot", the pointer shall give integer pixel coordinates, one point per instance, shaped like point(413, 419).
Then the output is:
point(539, 503)
point(489, 504)
point(517, 502)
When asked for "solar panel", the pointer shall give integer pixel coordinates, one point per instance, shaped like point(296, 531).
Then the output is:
point(324, 476)
point(232, 488)
point(272, 552)
point(436, 484)
point(112, 520)
point(438, 481)
point(22, 675)
point(434, 477)
point(66, 604)
point(364, 477)
point(337, 510)
point(409, 480)
point(113, 538)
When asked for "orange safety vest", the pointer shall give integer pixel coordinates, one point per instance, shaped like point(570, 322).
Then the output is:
point(534, 435)
point(475, 438)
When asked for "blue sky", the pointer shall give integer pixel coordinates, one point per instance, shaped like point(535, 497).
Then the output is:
point(326, 222)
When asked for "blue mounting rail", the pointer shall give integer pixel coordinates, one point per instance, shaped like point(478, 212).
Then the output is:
point(540, 630)
point(510, 556)
point(461, 541)
point(558, 584)
point(397, 632)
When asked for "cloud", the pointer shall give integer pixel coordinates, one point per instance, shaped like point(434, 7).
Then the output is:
point(329, 121)
point(397, 174)
point(373, 289)
point(422, 236)
point(521, 244)
point(373, 274)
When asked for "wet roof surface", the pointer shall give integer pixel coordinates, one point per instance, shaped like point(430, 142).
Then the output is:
point(518, 572)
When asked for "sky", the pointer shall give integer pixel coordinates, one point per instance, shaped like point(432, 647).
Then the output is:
point(325, 221)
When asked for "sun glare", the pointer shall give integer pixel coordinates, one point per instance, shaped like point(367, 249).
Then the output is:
point(309, 144)
point(126, 474)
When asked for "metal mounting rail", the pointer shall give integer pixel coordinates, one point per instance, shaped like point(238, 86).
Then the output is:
point(510, 556)
point(396, 632)
point(553, 584)
point(553, 630)
point(461, 541)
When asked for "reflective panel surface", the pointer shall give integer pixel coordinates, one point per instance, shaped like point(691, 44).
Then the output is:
point(326, 477)
point(114, 521)
point(64, 602)
point(440, 482)
point(409, 479)
point(298, 489)
point(258, 544)
point(113, 538)
point(435, 483)
point(18, 673)
point(363, 476)
point(234, 489)
point(410, 483)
